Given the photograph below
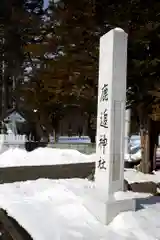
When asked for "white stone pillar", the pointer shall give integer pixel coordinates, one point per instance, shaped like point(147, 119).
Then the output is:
point(109, 174)
point(111, 111)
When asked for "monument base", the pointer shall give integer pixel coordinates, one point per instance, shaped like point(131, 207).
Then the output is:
point(106, 211)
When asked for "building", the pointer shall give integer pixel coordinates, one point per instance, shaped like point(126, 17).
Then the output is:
point(14, 122)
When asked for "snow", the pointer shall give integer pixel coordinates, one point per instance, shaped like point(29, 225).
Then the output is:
point(54, 209)
point(50, 210)
point(142, 224)
point(53, 156)
point(132, 175)
point(50, 156)
point(42, 156)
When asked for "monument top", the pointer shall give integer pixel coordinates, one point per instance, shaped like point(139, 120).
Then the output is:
point(107, 38)
point(118, 29)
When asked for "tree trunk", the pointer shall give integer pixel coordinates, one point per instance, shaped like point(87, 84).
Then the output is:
point(91, 129)
point(55, 124)
point(149, 136)
point(153, 144)
point(144, 132)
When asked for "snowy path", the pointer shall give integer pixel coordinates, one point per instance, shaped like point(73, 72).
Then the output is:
point(53, 209)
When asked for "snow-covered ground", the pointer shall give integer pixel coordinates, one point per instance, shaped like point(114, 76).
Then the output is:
point(54, 209)
point(49, 156)
point(42, 156)
point(132, 175)
point(52, 156)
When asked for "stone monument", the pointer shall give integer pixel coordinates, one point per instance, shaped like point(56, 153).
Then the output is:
point(109, 174)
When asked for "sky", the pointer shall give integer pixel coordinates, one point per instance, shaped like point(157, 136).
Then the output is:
point(46, 3)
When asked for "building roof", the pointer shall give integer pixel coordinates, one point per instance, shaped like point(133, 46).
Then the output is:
point(14, 116)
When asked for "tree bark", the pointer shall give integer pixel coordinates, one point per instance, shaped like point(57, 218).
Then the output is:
point(144, 132)
point(153, 144)
point(91, 129)
point(149, 141)
point(55, 124)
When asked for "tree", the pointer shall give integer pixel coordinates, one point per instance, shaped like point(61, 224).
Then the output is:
point(20, 22)
point(140, 20)
point(71, 74)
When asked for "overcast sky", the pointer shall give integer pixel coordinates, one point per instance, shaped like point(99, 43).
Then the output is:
point(46, 3)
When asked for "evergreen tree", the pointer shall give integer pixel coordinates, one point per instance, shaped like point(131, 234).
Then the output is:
point(19, 25)
point(69, 70)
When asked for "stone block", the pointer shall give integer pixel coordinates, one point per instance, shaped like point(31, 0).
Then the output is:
point(144, 187)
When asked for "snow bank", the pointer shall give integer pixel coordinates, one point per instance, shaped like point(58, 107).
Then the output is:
point(42, 156)
point(50, 210)
point(53, 209)
point(143, 224)
point(132, 175)
point(52, 156)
